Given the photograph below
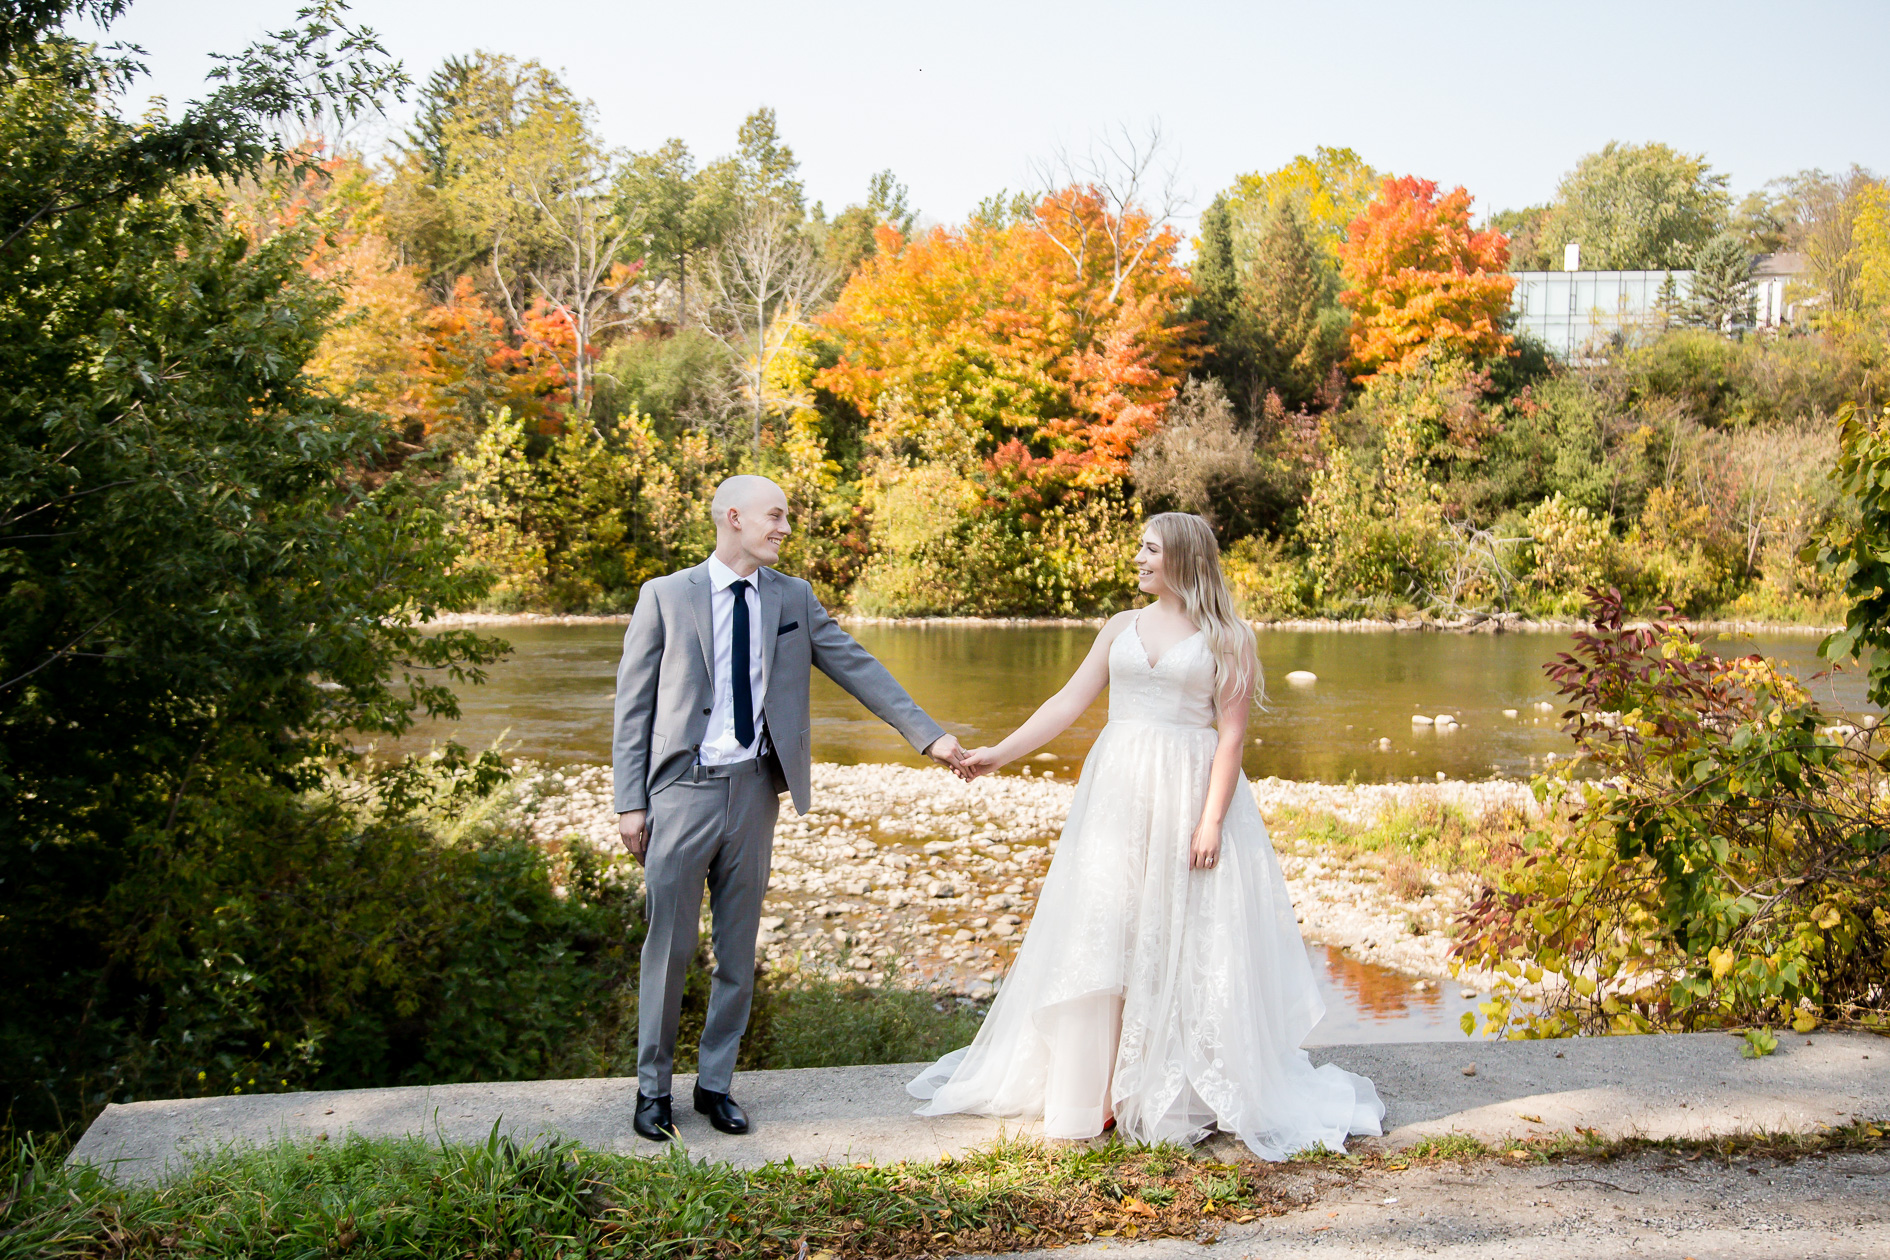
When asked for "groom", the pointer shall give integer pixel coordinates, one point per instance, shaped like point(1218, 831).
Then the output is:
point(711, 725)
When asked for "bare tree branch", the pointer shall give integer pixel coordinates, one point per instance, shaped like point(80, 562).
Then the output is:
point(1136, 184)
point(763, 282)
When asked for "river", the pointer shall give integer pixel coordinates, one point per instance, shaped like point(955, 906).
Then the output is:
point(551, 699)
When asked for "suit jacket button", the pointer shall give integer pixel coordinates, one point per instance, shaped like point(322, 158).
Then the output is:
point(706, 712)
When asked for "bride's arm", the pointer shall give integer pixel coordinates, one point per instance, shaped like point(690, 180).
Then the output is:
point(1224, 778)
point(1054, 715)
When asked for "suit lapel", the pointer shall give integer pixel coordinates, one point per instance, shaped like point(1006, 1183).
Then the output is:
point(770, 618)
point(700, 592)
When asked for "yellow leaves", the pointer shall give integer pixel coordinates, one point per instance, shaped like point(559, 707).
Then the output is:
point(1805, 1022)
point(1585, 986)
point(1827, 916)
point(1721, 960)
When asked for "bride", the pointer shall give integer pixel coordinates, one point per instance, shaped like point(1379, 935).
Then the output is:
point(1162, 987)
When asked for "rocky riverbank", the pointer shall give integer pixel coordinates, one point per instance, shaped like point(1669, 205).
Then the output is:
point(915, 873)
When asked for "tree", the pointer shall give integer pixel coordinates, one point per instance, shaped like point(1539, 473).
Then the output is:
point(1267, 276)
point(763, 283)
point(585, 283)
point(1870, 252)
point(675, 212)
point(993, 323)
point(1637, 207)
point(490, 127)
point(1299, 330)
point(1721, 298)
point(766, 168)
point(1111, 207)
point(852, 237)
point(204, 604)
point(1329, 190)
point(1529, 247)
point(1826, 212)
point(1421, 279)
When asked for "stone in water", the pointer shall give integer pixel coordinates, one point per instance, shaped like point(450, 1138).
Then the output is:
point(1302, 678)
point(1420, 719)
point(1509, 713)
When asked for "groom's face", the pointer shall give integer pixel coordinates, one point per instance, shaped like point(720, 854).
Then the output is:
point(761, 526)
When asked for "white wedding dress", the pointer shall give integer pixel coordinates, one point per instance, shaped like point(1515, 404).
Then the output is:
point(1173, 999)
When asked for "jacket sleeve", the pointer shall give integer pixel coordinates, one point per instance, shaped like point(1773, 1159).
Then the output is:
point(839, 655)
point(635, 714)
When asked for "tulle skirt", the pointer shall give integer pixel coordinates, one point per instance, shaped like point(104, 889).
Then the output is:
point(1173, 999)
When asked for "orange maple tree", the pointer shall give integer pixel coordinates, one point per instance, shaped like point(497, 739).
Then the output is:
point(1420, 278)
point(1063, 359)
point(468, 366)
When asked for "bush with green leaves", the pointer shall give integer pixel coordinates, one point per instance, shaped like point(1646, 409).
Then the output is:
point(1727, 864)
point(1570, 550)
point(579, 521)
point(1374, 531)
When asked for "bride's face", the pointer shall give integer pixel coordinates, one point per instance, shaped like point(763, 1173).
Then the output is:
point(1150, 577)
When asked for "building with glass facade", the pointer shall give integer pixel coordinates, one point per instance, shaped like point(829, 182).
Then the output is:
point(1576, 312)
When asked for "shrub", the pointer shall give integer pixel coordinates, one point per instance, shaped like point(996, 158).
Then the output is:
point(1373, 531)
point(291, 941)
point(943, 551)
point(1729, 866)
point(1674, 554)
point(1570, 550)
point(1267, 582)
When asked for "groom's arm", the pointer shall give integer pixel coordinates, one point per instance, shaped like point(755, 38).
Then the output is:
point(635, 715)
point(839, 656)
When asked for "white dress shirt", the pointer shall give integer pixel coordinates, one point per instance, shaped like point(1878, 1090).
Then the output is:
point(718, 742)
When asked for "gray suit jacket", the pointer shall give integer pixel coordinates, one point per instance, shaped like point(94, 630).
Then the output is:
point(664, 690)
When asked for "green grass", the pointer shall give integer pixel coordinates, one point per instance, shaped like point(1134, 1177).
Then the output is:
point(1447, 1146)
point(1428, 835)
point(799, 1020)
point(410, 1198)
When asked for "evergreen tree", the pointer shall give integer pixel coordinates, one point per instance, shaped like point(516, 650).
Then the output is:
point(1264, 293)
point(1288, 293)
point(1722, 285)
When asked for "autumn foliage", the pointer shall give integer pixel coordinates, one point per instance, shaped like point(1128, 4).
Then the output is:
point(1033, 330)
point(1419, 277)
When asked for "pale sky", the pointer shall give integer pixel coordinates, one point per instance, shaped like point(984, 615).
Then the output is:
point(961, 99)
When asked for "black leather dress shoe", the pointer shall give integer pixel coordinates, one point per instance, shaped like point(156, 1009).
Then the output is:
point(653, 1120)
point(721, 1111)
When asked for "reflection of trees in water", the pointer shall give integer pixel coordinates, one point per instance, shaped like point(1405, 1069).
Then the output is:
point(1378, 993)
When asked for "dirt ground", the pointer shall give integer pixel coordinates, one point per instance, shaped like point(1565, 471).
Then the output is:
point(1661, 1206)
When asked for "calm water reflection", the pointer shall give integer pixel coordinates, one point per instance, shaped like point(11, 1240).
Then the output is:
point(1369, 1003)
point(552, 698)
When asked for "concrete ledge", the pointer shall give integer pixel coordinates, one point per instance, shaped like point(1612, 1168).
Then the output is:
point(1657, 1086)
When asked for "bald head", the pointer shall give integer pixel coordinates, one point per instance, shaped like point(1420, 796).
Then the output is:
point(751, 522)
point(744, 493)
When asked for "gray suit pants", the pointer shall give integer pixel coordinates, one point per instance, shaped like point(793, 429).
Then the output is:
point(713, 826)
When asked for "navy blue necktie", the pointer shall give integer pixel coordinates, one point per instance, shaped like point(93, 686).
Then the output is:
point(738, 691)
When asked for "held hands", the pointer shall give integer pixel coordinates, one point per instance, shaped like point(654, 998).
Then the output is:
point(1205, 849)
point(947, 751)
point(633, 830)
point(979, 761)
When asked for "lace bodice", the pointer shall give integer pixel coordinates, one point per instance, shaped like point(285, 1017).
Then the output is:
point(1177, 691)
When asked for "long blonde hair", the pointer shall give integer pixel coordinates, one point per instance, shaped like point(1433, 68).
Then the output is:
point(1191, 560)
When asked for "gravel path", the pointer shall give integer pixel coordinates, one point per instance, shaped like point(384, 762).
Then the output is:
point(916, 868)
